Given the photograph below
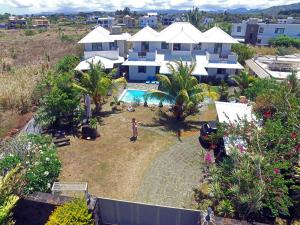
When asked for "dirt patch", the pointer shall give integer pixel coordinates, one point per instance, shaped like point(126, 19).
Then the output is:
point(11, 121)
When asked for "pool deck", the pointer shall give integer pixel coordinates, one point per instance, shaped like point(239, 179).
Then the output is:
point(142, 86)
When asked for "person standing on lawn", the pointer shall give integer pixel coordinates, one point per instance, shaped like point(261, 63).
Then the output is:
point(134, 129)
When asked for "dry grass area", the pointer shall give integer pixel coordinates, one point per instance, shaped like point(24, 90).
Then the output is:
point(261, 50)
point(114, 166)
point(19, 49)
point(24, 61)
point(10, 120)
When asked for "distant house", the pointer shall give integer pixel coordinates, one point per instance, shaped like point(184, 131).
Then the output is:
point(208, 21)
point(256, 32)
point(149, 20)
point(168, 20)
point(16, 22)
point(100, 45)
point(41, 22)
point(129, 21)
point(106, 22)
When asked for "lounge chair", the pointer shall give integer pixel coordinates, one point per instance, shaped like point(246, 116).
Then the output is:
point(148, 82)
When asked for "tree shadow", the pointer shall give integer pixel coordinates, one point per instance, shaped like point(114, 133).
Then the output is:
point(166, 122)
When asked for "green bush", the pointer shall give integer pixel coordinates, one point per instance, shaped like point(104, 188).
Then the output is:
point(39, 160)
point(71, 213)
point(243, 51)
point(29, 32)
point(225, 208)
point(67, 64)
point(285, 41)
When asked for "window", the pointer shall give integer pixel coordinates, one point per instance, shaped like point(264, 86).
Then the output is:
point(142, 69)
point(113, 45)
point(198, 46)
point(238, 29)
point(261, 30)
point(97, 46)
point(258, 41)
point(279, 30)
point(176, 46)
point(218, 48)
point(164, 45)
point(221, 71)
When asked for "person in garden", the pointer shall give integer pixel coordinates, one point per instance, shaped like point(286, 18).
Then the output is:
point(134, 129)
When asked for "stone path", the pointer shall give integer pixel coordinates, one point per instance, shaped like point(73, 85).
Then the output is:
point(172, 175)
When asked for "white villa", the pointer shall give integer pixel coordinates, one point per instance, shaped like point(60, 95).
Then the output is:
point(100, 45)
point(149, 20)
point(152, 51)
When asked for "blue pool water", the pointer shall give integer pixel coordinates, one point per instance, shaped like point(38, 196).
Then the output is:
point(131, 96)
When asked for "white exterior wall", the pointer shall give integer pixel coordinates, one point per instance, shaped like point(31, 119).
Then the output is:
point(234, 29)
point(135, 75)
point(292, 30)
point(136, 46)
point(122, 48)
point(154, 46)
point(88, 46)
point(151, 21)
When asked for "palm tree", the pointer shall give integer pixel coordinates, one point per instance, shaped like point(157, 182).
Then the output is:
point(97, 84)
point(182, 89)
point(243, 80)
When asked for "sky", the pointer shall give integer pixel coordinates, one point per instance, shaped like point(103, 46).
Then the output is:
point(37, 6)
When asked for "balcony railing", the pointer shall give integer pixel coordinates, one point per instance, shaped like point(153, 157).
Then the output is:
point(216, 58)
point(142, 56)
point(110, 54)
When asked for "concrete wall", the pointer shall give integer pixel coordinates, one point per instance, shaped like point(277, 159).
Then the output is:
point(242, 32)
point(135, 75)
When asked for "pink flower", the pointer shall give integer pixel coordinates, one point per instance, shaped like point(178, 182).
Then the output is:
point(241, 148)
point(276, 171)
point(208, 158)
point(293, 135)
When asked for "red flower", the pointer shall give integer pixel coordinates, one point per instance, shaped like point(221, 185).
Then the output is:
point(241, 148)
point(276, 171)
point(267, 114)
point(297, 148)
point(293, 135)
point(213, 146)
point(205, 136)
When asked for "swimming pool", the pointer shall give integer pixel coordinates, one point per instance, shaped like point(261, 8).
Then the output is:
point(133, 95)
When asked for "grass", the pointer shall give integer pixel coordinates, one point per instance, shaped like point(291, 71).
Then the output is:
point(114, 166)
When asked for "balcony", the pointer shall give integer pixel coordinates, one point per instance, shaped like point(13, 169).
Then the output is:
point(142, 56)
point(110, 54)
point(216, 58)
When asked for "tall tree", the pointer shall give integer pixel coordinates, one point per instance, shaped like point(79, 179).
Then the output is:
point(97, 83)
point(182, 89)
point(243, 80)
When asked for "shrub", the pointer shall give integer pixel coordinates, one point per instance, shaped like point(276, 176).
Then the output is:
point(243, 51)
point(29, 33)
point(225, 208)
point(72, 213)
point(38, 158)
point(67, 64)
point(285, 41)
point(61, 105)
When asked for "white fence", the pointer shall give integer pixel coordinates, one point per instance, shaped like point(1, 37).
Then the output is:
point(131, 213)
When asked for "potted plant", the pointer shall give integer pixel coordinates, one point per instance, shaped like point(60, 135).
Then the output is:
point(93, 128)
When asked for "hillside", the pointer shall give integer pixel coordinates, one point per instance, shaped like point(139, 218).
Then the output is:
point(276, 9)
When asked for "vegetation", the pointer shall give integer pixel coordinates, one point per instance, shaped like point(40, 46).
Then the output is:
point(29, 32)
point(258, 177)
point(182, 89)
point(243, 81)
point(98, 84)
point(61, 106)
point(71, 213)
point(243, 51)
point(285, 41)
point(8, 198)
point(67, 64)
point(38, 159)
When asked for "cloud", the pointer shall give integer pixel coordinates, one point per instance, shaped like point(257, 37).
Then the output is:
point(33, 6)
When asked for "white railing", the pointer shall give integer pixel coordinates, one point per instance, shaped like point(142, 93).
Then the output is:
point(142, 56)
point(215, 58)
point(110, 54)
point(181, 53)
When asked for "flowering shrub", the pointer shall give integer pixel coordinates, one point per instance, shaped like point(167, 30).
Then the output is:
point(38, 157)
point(258, 178)
point(71, 213)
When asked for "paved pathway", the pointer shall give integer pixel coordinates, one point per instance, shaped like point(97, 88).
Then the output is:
point(172, 175)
